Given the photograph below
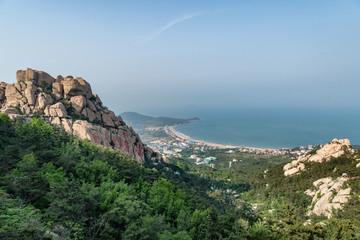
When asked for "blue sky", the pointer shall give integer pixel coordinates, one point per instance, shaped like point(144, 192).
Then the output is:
point(141, 55)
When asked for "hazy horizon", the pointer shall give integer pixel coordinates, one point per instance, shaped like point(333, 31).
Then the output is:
point(140, 55)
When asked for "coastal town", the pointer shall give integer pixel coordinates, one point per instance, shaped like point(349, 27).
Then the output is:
point(176, 143)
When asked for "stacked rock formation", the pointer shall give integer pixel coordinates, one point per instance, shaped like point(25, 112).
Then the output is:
point(69, 102)
point(334, 149)
point(328, 195)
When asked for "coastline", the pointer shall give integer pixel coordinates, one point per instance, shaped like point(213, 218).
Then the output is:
point(176, 134)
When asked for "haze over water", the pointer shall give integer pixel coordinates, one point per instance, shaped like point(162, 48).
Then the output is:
point(271, 127)
point(139, 54)
point(142, 54)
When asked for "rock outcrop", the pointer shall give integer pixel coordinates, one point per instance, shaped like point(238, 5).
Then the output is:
point(69, 102)
point(328, 195)
point(334, 149)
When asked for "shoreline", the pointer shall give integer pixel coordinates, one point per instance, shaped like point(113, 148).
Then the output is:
point(176, 134)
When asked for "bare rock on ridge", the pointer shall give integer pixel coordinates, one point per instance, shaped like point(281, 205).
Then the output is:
point(63, 98)
point(76, 87)
point(12, 95)
point(57, 90)
point(78, 102)
point(39, 78)
point(57, 110)
point(334, 149)
point(30, 94)
point(43, 100)
point(329, 194)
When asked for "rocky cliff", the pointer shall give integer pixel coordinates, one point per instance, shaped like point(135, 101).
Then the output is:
point(70, 103)
point(334, 149)
point(329, 193)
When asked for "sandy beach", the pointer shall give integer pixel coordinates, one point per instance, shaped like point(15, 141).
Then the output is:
point(175, 134)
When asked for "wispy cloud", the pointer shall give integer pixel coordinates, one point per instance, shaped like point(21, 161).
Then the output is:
point(169, 25)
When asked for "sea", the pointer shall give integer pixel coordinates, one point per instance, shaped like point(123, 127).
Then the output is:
point(270, 127)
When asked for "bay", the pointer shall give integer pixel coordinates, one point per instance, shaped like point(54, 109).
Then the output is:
point(271, 127)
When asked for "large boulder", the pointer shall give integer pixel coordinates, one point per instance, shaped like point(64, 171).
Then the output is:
point(30, 94)
point(58, 110)
point(328, 194)
point(71, 87)
point(55, 121)
point(39, 78)
point(13, 96)
point(91, 105)
point(26, 109)
point(108, 120)
point(57, 90)
point(44, 79)
point(75, 87)
point(2, 91)
point(84, 129)
point(86, 86)
point(43, 100)
point(78, 102)
point(89, 114)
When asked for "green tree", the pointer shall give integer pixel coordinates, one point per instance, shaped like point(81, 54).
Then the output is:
point(182, 235)
point(6, 130)
point(95, 172)
point(164, 199)
point(16, 218)
point(199, 224)
point(147, 227)
point(26, 182)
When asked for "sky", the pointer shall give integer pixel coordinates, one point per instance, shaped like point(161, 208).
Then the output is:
point(141, 55)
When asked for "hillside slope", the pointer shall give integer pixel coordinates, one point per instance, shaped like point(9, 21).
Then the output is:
point(314, 197)
point(57, 186)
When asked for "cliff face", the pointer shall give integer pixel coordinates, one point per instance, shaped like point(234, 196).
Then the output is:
point(69, 102)
point(327, 193)
point(334, 149)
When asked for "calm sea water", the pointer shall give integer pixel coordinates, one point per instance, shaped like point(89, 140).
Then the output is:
point(271, 127)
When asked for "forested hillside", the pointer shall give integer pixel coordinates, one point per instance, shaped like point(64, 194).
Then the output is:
point(282, 208)
point(56, 186)
point(289, 210)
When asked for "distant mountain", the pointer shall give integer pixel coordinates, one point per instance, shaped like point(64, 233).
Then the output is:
point(138, 120)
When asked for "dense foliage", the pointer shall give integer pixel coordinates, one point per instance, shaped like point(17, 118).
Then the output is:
point(283, 203)
point(233, 170)
point(54, 185)
point(278, 202)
